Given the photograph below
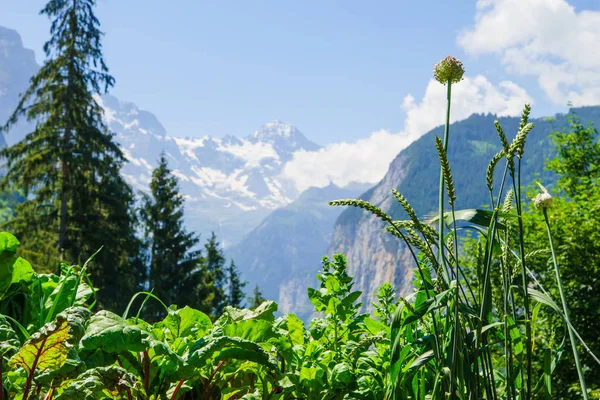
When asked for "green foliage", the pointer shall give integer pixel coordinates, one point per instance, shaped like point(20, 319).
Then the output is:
point(244, 354)
point(475, 327)
point(574, 216)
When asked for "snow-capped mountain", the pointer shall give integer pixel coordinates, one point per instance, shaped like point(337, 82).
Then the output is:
point(230, 183)
point(223, 179)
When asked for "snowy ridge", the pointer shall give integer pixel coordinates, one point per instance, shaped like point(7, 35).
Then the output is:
point(219, 177)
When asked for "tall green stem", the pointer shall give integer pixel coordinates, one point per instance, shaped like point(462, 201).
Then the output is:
point(566, 310)
point(517, 190)
point(441, 204)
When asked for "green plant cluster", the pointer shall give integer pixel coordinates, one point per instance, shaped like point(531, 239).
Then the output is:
point(488, 320)
point(54, 347)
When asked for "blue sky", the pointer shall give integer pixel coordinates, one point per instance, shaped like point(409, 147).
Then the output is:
point(339, 70)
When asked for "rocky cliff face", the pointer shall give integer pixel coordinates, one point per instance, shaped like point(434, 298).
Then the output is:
point(374, 257)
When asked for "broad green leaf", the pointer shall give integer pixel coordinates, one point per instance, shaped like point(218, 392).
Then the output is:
point(9, 342)
point(48, 348)
point(13, 269)
point(351, 298)
point(113, 334)
point(316, 298)
point(375, 326)
point(70, 290)
point(545, 299)
point(474, 216)
point(252, 330)
point(333, 306)
point(187, 322)
point(341, 376)
point(224, 348)
point(515, 336)
point(234, 392)
point(312, 374)
point(295, 329)
point(265, 311)
point(183, 326)
point(422, 359)
point(99, 383)
point(317, 327)
point(332, 283)
point(8, 243)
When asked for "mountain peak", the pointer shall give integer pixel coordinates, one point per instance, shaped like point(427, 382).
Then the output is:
point(283, 136)
point(122, 116)
point(275, 129)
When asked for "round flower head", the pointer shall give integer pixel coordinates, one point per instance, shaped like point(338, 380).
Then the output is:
point(543, 200)
point(450, 69)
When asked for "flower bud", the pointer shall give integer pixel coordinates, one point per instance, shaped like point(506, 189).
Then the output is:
point(450, 69)
point(542, 201)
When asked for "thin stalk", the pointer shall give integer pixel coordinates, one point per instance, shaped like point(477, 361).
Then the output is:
point(517, 190)
point(128, 390)
point(457, 331)
point(438, 352)
point(441, 201)
point(486, 280)
point(506, 279)
point(174, 395)
point(209, 383)
point(146, 373)
point(32, 371)
point(566, 310)
point(414, 256)
point(50, 394)
point(441, 189)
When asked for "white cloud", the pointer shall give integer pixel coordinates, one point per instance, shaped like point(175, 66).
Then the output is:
point(547, 39)
point(367, 160)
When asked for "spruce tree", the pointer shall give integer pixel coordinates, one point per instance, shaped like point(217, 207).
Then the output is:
point(68, 167)
point(235, 286)
point(214, 276)
point(257, 298)
point(175, 269)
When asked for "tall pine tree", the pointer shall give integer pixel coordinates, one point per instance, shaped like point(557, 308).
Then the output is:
point(68, 166)
point(214, 277)
point(257, 299)
point(175, 269)
point(235, 286)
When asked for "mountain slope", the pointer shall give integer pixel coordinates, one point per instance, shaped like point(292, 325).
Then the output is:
point(17, 65)
point(283, 254)
point(230, 183)
point(375, 257)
